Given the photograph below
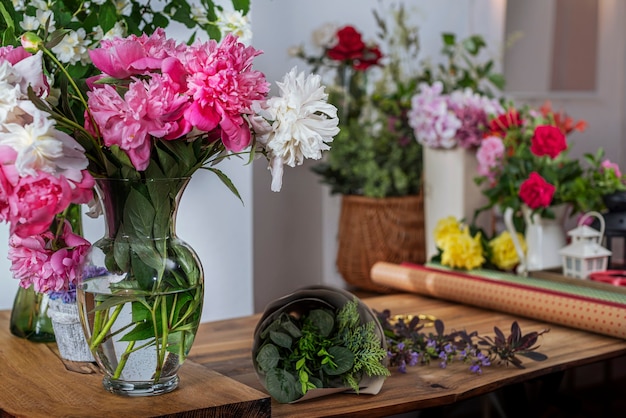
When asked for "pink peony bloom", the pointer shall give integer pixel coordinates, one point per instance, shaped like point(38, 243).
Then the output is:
point(223, 85)
point(28, 258)
point(488, 155)
point(35, 201)
point(134, 55)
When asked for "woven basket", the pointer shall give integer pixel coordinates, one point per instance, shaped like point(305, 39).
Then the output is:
point(371, 230)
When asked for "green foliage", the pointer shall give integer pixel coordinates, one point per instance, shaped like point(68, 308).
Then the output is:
point(597, 182)
point(464, 67)
point(319, 349)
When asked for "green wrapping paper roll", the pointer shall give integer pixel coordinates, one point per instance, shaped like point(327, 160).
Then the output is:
point(599, 311)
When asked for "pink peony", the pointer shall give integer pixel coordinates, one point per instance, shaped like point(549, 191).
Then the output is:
point(28, 258)
point(223, 85)
point(35, 201)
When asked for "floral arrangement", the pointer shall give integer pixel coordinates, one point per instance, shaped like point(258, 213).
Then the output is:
point(465, 247)
point(156, 110)
point(375, 153)
point(523, 160)
point(44, 168)
point(409, 345)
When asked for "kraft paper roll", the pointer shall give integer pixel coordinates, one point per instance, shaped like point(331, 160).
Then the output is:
point(596, 311)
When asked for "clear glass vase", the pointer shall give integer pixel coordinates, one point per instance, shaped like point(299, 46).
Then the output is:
point(29, 317)
point(141, 292)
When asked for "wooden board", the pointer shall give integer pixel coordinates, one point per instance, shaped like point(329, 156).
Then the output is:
point(36, 383)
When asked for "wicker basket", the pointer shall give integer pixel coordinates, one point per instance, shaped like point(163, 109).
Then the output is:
point(370, 230)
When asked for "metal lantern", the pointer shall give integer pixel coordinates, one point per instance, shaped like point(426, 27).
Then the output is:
point(584, 255)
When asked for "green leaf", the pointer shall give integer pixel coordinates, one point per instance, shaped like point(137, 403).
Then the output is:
point(242, 5)
point(342, 357)
point(224, 178)
point(282, 385)
point(449, 39)
point(142, 331)
point(322, 320)
point(267, 358)
point(281, 339)
point(108, 16)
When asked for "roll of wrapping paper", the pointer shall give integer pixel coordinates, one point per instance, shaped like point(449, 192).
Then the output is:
point(599, 311)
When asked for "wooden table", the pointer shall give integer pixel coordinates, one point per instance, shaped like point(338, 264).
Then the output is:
point(218, 379)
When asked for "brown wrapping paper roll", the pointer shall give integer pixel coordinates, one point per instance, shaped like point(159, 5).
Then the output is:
point(576, 311)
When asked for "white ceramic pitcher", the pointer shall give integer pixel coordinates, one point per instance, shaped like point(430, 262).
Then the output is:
point(544, 238)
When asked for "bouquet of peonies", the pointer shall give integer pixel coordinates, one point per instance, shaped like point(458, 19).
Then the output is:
point(523, 160)
point(154, 112)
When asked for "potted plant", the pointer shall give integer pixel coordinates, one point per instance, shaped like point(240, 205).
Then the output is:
point(375, 163)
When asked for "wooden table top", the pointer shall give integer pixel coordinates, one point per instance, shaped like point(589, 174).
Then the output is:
point(225, 347)
point(219, 379)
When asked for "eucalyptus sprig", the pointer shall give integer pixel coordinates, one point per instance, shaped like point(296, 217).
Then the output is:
point(409, 345)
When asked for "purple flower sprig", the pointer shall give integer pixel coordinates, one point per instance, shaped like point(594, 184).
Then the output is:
point(409, 345)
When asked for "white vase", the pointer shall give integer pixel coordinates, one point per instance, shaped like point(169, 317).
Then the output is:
point(544, 238)
point(450, 190)
point(68, 331)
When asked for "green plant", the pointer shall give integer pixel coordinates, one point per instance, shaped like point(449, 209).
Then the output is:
point(375, 154)
point(321, 348)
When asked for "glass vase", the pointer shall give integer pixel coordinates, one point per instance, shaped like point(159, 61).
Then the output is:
point(29, 317)
point(141, 290)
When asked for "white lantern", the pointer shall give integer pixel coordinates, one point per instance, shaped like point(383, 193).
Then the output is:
point(584, 255)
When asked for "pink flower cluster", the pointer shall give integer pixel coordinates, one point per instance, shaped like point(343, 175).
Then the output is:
point(449, 120)
point(34, 261)
point(172, 89)
point(42, 171)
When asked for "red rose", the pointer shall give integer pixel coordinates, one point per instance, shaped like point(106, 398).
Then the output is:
point(536, 191)
point(371, 56)
point(349, 46)
point(548, 140)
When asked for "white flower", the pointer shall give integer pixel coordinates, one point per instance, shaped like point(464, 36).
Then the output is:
point(236, 23)
point(123, 7)
point(198, 13)
point(41, 147)
point(73, 48)
point(18, 5)
point(117, 31)
point(46, 17)
point(10, 91)
point(301, 123)
point(325, 36)
point(29, 23)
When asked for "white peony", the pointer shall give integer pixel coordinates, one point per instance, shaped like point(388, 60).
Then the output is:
point(301, 123)
point(41, 147)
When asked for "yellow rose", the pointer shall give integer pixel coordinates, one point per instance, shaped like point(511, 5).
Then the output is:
point(444, 228)
point(503, 254)
point(462, 251)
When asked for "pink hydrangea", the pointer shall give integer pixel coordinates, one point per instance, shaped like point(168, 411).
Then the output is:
point(473, 110)
point(223, 85)
point(434, 123)
point(489, 155)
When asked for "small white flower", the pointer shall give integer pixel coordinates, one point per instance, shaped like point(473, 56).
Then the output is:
point(117, 31)
point(123, 7)
point(29, 23)
point(198, 13)
point(236, 23)
point(46, 17)
point(19, 5)
point(302, 123)
point(73, 48)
